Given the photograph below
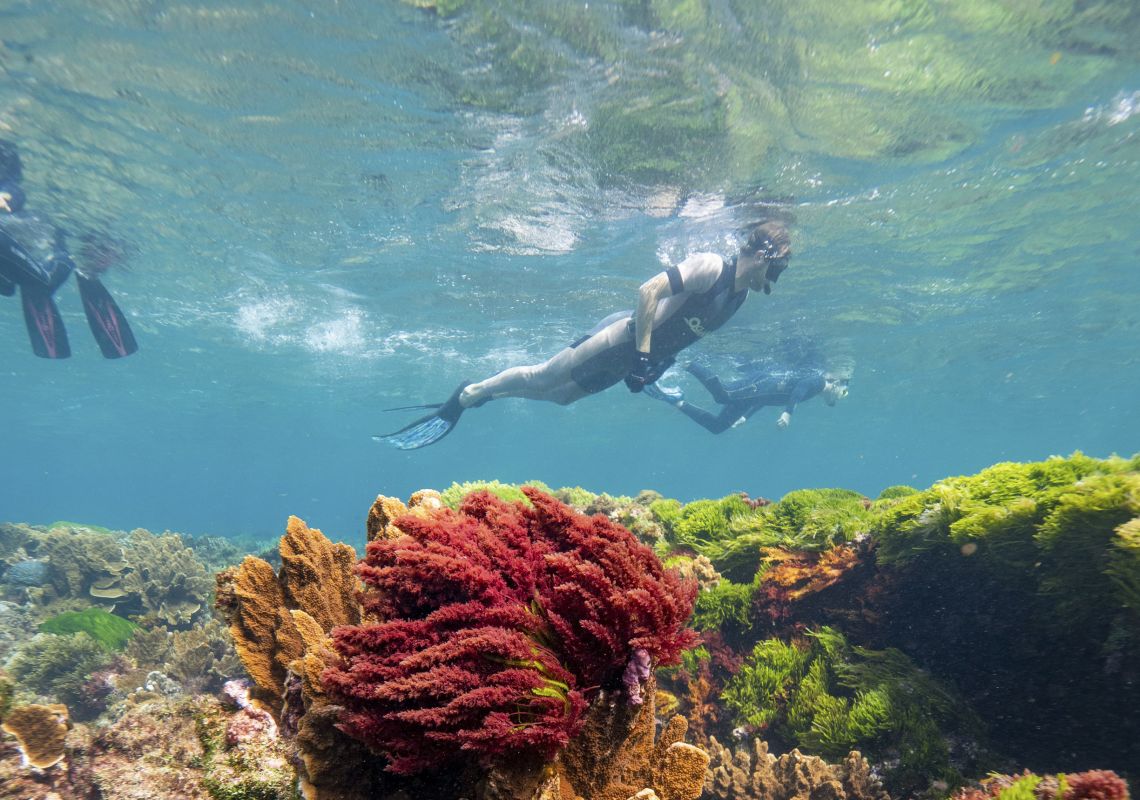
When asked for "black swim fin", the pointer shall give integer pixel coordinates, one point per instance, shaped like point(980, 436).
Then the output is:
point(106, 320)
point(430, 429)
point(45, 325)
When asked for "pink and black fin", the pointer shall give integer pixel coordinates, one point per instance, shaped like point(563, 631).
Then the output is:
point(45, 325)
point(106, 319)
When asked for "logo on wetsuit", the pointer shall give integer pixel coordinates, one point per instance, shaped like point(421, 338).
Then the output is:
point(695, 325)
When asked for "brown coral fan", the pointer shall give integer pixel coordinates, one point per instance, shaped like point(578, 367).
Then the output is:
point(316, 580)
point(41, 731)
point(759, 775)
point(279, 625)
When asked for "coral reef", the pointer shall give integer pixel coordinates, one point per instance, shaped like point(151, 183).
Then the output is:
point(734, 531)
point(165, 578)
point(58, 666)
point(1027, 568)
point(496, 618)
point(384, 512)
point(1097, 784)
point(283, 650)
point(787, 577)
point(41, 730)
point(506, 650)
point(453, 495)
point(755, 774)
point(82, 561)
point(619, 754)
point(201, 660)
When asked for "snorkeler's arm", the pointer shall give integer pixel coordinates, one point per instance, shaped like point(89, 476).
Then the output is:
point(697, 273)
point(648, 296)
point(673, 281)
point(804, 389)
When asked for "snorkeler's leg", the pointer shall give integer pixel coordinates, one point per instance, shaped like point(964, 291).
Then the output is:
point(551, 380)
point(710, 381)
point(532, 382)
point(713, 423)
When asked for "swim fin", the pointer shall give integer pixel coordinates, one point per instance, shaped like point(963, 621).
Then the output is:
point(106, 320)
point(45, 325)
point(430, 429)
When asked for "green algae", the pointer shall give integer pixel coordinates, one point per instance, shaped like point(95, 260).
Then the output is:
point(829, 697)
point(726, 606)
point(110, 631)
point(453, 495)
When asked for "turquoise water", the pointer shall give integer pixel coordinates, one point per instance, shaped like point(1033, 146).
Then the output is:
point(335, 208)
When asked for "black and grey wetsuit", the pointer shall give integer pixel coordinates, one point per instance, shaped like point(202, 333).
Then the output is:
point(703, 297)
point(677, 325)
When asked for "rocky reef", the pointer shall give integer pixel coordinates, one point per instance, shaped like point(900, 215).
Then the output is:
point(505, 642)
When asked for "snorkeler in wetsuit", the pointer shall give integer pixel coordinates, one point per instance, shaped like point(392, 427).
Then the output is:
point(740, 399)
point(675, 308)
point(34, 259)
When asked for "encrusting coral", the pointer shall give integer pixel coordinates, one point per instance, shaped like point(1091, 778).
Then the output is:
point(756, 774)
point(497, 619)
point(41, 730)
point(619, 754)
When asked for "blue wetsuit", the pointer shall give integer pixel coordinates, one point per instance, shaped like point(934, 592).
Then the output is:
point(743, 398)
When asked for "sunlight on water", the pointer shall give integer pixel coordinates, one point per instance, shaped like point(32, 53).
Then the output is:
point(335, 210)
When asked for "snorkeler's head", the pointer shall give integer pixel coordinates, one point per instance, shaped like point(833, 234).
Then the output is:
point(769, 240)
point(11, 171)
point(834, 390)
point(770, 243)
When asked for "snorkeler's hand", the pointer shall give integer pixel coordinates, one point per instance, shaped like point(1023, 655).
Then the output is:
point(640, 374)
point(784, 421)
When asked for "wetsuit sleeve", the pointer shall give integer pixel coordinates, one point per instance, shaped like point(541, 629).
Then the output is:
point(804, 390)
